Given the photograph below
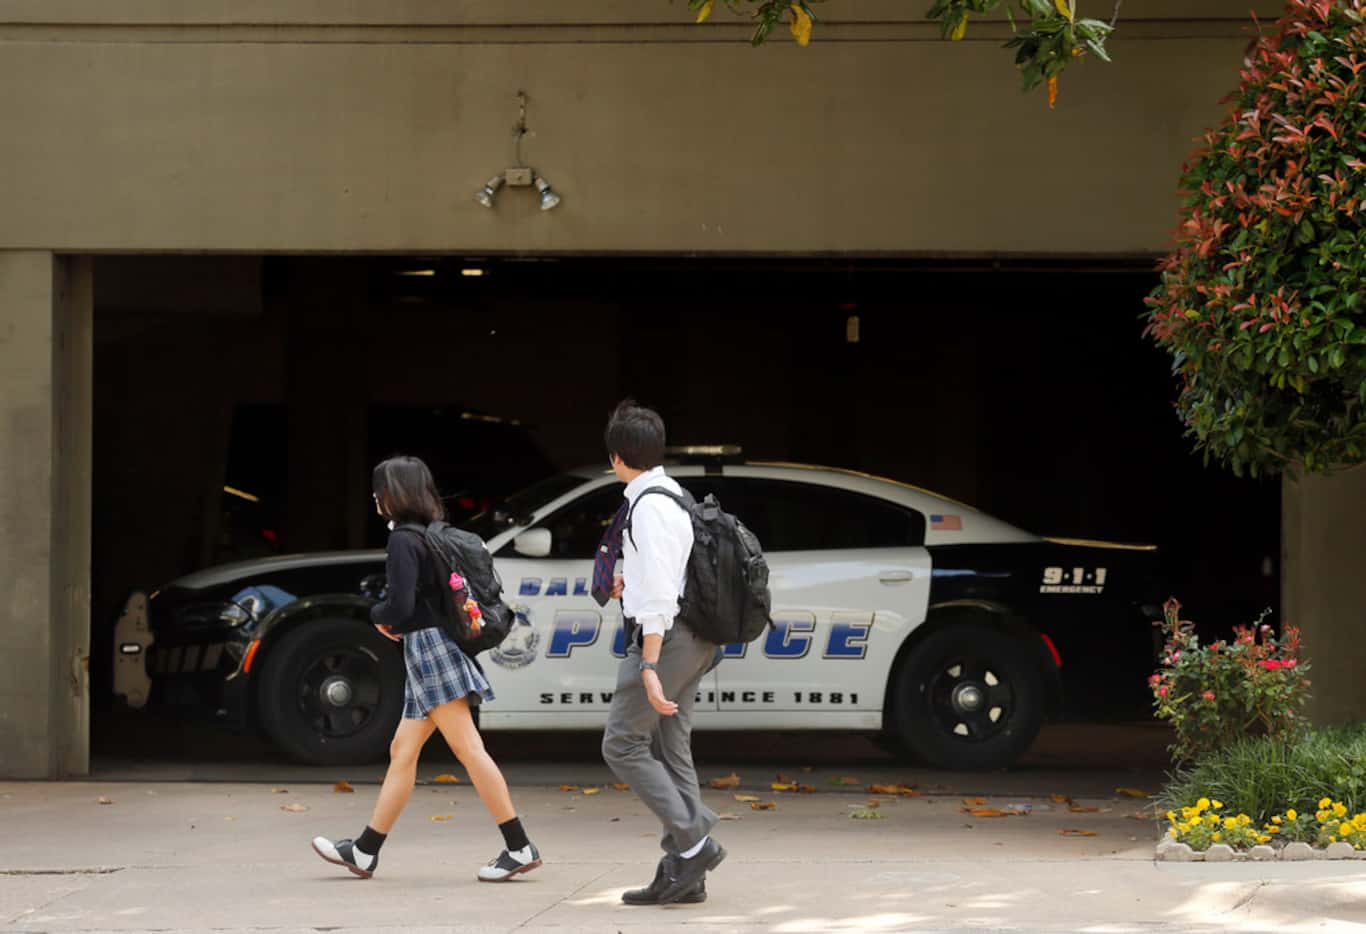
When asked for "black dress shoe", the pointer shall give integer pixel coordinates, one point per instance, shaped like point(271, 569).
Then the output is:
point(686, 873)
point(650, 894)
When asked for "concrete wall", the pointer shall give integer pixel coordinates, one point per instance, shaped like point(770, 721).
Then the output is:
point(45, 405)
point(1323, 539)
point(319, 126)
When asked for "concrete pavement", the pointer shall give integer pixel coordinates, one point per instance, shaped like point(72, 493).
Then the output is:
point(226, 857)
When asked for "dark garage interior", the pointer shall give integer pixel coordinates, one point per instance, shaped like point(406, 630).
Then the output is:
point(240, 401)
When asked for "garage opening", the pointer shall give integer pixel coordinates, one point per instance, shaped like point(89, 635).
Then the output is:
point(240, 402)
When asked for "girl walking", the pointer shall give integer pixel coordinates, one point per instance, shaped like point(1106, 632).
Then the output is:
point(441, 686)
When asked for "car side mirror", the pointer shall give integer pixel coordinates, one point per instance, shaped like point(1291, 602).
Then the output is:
point(533, 543)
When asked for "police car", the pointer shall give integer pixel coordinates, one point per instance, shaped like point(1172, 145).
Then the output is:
point(895, 611)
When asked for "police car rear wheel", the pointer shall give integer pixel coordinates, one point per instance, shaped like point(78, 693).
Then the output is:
point(331, 692)
point(968, 697)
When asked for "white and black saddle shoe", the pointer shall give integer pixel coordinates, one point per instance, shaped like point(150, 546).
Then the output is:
point(344, 853)
point(506, 864)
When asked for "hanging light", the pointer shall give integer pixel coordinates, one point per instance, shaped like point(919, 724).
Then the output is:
point(548, 197)
point(486, 194)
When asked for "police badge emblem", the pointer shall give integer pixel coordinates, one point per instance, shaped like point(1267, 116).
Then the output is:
point(519, 648)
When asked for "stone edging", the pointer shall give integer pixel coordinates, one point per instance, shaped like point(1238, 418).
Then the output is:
point(1175, 852)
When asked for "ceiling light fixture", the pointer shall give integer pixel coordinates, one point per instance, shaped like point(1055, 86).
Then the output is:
point(518, 175)
point(472, 271)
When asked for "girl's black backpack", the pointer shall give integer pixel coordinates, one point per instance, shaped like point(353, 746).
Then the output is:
point(457, 550)
point(726, 599)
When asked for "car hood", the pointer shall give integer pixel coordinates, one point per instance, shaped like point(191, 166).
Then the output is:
point(241, 571)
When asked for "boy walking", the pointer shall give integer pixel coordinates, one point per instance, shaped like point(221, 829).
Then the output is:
point(648, 739)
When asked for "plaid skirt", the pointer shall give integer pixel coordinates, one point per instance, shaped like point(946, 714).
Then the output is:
point(438, 673)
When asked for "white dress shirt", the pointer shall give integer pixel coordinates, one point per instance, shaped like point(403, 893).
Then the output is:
point(654, 568)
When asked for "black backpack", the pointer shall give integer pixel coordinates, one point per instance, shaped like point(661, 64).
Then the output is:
point(726, 598)
point(457, 550)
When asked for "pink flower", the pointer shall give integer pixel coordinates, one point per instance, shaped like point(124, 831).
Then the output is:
point(1290, 663)
point(1208, 695)
point(1154, 679)
point(1162, 691)
point(1271, 664)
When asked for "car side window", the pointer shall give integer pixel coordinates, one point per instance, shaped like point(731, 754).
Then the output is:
point(792, 516)
point(577, 527)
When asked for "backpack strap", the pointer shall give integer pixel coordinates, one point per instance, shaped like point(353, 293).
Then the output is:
point(684, 503)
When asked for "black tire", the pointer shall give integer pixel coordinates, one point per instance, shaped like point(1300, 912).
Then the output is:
point(969, 697)
point(331, 692)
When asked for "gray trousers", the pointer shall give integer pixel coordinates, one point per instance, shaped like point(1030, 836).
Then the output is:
point(653, 754)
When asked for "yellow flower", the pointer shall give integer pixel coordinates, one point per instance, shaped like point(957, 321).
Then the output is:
point(1273, 830)
point(1171, 832)
point(1276, 819)
point(1204, 803)
point(1343, 830)
point(1171, 815)
point(1218, 804)
point(1212, 819)
point(1244, 820)
point(1263, 838)
point(1230, 823)
point(1321, 815)
point(1325, 802)
point(801, 25)
point(1339, 810)
point(1216, 836)
point(1292, 815)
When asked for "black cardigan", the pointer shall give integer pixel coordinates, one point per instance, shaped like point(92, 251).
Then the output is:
point(410, 594)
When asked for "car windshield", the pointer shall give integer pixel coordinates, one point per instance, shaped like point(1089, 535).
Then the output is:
point(521, 505)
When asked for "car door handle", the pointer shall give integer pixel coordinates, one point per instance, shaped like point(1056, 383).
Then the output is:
point(895, 577)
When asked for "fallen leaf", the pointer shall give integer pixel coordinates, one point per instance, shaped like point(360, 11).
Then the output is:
point(730, 781)
point(974, 801)
point(874, 803)
point(985, 812)
point(621, 786)
point(343, 787)
point(447, 778)
point(1082, 809)
point(294, 808)
point(443, 817)
point(783, 786)
point(1066, 832)
point(1061, 799)
point(592, 791)
point(746, 797)
point(867, 814)
point(763, 806)
point(1132, 792)
point(807, 789)
point(279, 791)
point(1141, 815)
point(103, 800)
point(569, 788)
point(845, 780)
point(904, 791)
point(727, 815)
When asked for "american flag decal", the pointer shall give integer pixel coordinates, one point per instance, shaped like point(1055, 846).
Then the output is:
point(946, 523)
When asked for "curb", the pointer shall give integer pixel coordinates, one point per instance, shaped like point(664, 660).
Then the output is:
point(1171, 851)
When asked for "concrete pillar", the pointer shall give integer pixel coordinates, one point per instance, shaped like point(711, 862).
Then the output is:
point(46, 331)
point(1323, 588)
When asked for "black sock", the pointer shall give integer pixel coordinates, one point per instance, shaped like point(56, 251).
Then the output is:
point(514, 837)
point(369, 841)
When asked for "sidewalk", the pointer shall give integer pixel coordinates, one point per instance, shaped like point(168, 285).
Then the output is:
point(226, 857)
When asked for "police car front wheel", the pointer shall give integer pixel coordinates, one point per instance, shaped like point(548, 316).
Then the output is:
point(968, 697)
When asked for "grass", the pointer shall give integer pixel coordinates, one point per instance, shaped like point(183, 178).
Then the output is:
point(1261, 777)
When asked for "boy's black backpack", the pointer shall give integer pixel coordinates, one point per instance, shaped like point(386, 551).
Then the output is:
point(726, 598)
point(457, 550)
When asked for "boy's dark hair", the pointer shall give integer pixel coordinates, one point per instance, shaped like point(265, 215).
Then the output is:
point(636, 435)
point(406, 491)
